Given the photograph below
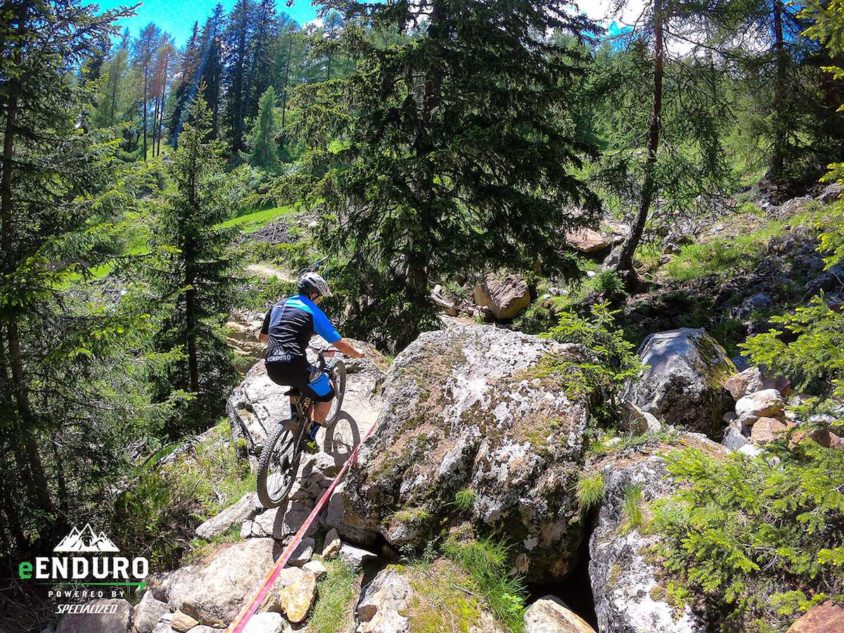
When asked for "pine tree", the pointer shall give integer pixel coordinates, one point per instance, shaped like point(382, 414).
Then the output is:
point(261, 66)
point(188, 81)
point(264, 152)
point(197, 277)
point(458, 152)
point(212, 67)
point(145, 48)
point(56, 204)
point(238, 39)
point(165, 60)
point(111, 101)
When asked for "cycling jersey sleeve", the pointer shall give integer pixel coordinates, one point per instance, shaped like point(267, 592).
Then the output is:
point(265, 328)
point(323, 326)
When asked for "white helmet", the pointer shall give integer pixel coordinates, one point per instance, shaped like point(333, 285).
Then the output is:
point(311, 282)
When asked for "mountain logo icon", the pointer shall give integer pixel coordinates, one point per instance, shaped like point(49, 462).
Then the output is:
point(85, 540)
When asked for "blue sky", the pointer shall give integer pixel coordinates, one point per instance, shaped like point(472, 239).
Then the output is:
point(177, 16)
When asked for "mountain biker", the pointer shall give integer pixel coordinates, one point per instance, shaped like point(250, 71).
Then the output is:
point(287, 327)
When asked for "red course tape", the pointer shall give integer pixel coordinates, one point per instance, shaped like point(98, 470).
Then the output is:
point(249, 609)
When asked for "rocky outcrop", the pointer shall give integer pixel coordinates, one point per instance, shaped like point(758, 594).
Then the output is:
point(588, 241)
point(147, 613)
point(506, 296)
point(108, 614)
point(824, 618)
point(212, 592)
point(683, 381)
point(627, 586)
point(751, 380)
point(484, 411)
point(549, 614)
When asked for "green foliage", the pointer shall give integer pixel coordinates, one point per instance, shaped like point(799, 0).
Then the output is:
point(754, 540)
point(195, 279)
point(805, 346)
point(464, 499)
point(590, 490)
point(486, 562)
point(158, 511)
point(607, 361)
point(334, 609)
point(458, 153)
point(632, 509)
point(264, 152)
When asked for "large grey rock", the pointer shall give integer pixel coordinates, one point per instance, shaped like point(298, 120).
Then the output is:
point(222, 522)
point(384, 603)
point(683, 381)
point(549, 614)
point(264, 623)
point(147, 613)
point(588, 241)
point(506, 296)
point(628, 588)
point(478, 408)
point(108, 615)
point(765, 403)
point(213, 591)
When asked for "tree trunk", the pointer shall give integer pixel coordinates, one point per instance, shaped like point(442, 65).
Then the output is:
point(163, 101)
point(145, 113)
point(154, 122)
point(777, 168)
point(286, 81)
point(625, 262)
point(190, 317)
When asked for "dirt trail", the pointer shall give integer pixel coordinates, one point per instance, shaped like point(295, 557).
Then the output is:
point(267, 271)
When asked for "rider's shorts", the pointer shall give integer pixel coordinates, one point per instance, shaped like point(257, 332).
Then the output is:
point(296, 371)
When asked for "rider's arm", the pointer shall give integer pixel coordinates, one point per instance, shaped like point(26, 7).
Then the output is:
point(347, 349)
point(323, 327)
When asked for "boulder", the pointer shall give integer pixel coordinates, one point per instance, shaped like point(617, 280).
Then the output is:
point(316, 568)
point(213, 591)
point(222, 522)
point(483, 409)
point(683, 380)
point(549, 614)
point(767, 403)
point(109, 615)
point(182, 622)
point(383, 603)
point(258, 403)
point(751, 380)
point(355, 557)
point(332, 544)
point(627, 584)
point(734, 439)
point(303, 552)
point(831, 193)
point(147, 613)
point(506, 296)
point(264, 623)
point(297, 597)
point(824, 618)
point(766, 430)
point(588, 241)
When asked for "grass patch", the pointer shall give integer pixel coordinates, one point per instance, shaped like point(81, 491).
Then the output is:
point(251, 222)
point(632, 510)
point(443, 599)
point(464, 499)
point(486, 563)
point(334, 609)
point(590, 490)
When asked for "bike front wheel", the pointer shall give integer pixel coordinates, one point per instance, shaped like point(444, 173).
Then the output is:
point(277, 466)
point(337, 378)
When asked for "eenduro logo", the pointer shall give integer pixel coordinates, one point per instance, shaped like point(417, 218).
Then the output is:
point(89, 571)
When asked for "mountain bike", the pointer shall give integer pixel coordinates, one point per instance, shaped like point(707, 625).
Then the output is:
point(279, 461)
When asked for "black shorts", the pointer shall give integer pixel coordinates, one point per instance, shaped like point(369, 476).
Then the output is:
point(296, 372)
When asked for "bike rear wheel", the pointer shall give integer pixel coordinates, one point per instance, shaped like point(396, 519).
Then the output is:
point(277, 465)
point(337, 378)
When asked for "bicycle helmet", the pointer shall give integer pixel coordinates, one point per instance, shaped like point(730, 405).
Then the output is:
point(311, 282)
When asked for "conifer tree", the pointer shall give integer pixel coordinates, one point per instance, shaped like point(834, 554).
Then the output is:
point(238, 46)
point(145, 48)
point(264, 152)
point(197, 275)
point(458, 150)
point(111, 101)
point(261, 66)
point(212, 66)
point(189, 78)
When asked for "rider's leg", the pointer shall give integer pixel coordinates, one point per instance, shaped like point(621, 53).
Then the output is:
point(320, 411)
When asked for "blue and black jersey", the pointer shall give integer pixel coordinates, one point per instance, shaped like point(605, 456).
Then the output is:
point(291, 323)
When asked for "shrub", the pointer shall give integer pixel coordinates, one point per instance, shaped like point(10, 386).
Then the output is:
point(590, 490)
point(754, 540)
point(486, 563)
point(805, 346)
